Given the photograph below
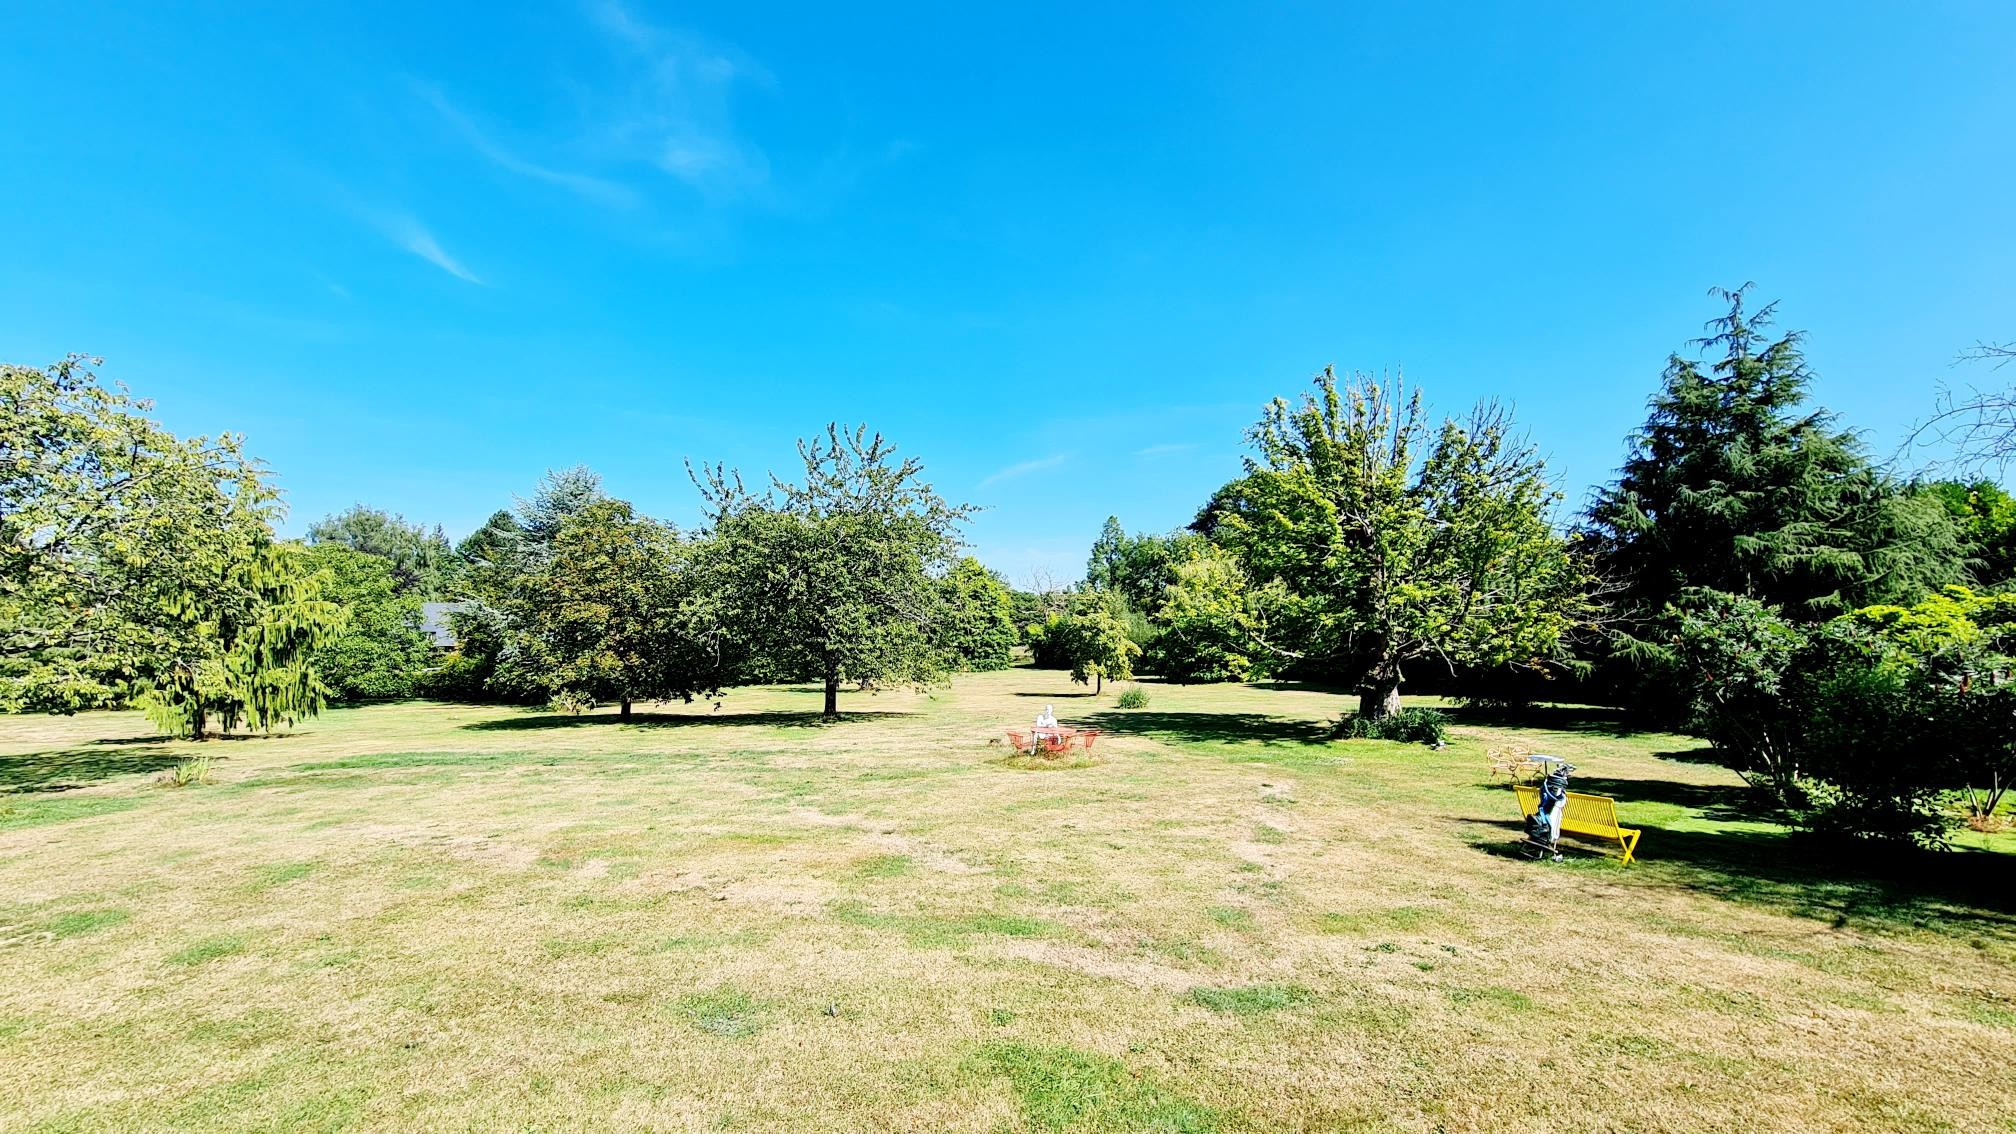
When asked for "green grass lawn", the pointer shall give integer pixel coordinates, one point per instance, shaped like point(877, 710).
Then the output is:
point(439, 917)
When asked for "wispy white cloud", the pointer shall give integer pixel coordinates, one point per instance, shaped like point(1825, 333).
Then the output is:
point(676, 113)
point(1024, 468)
point(1164, 450)
point(599, 190)
point(410, 234)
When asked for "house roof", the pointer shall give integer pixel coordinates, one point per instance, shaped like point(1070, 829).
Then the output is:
point(434, 622)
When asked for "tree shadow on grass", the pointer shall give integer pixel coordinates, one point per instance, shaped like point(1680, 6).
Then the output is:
point(68, 768)
point(1057, 696)
point(1712, 801)
point(784, 719)
point(1598, 719)
point(1224, 727)
point(1954, 893)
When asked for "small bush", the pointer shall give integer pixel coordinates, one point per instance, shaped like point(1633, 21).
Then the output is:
point(188, 773)
point(1417, 726)
point(1133, 697)
point(572, 704)
point(457, 678)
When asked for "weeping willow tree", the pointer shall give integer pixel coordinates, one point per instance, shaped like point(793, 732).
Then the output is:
point(139, 566)
point(245, 656)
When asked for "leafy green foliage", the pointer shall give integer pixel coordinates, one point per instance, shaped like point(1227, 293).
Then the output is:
point(1089, 639)
point(1138, 567)
point(1211, 623)
point(1860, 725)
point(110, 529)
point(1132, 697)
point(835, 577)
point(976, 623)
point(1733, 654)
point(1385, 541)
point(610, 612)
point(1986, 515)
point(488, 557)
point(380, 653)
point(419, 559)
point(248, 616)
point(1416, 725)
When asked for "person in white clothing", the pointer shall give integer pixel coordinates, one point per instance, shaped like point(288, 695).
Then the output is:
point(1046, 726)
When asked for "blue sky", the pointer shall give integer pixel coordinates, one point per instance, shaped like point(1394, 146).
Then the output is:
point(419, 253)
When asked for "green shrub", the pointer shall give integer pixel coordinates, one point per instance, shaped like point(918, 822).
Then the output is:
point(1862, 725)
point(188, 773)
point(457, 678)
point(1415, 726)
point(1133, 697)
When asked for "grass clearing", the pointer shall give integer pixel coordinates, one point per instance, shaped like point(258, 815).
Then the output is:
point(209, 949)
point(1249, 1000)
point(422, 916)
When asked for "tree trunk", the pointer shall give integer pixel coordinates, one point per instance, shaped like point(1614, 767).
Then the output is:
point(1379, 697)
point(1098, 683)
point(832, 692)
point(623, 714)
point(197, 720)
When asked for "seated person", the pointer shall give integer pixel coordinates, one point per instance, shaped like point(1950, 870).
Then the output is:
point(1046, 724)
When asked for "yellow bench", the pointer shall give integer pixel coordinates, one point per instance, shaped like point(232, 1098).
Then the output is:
point(1583, 814)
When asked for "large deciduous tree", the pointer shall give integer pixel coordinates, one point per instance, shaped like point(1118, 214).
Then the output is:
point(976, 626)
point(611, 613)
point(1211, 622)
point(835, 577)
point(1390, 541)
point(380, 653)
point(1986, 516)
point(1098, 646)
point(1138, 567)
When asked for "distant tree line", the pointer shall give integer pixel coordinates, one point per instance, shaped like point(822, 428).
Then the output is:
point(138, 568)
point(1752, 574)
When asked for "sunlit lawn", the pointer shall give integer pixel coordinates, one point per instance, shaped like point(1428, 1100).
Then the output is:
point(434, 917)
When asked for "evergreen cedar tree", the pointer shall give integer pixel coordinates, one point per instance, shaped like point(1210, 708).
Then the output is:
point(1735, 486)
